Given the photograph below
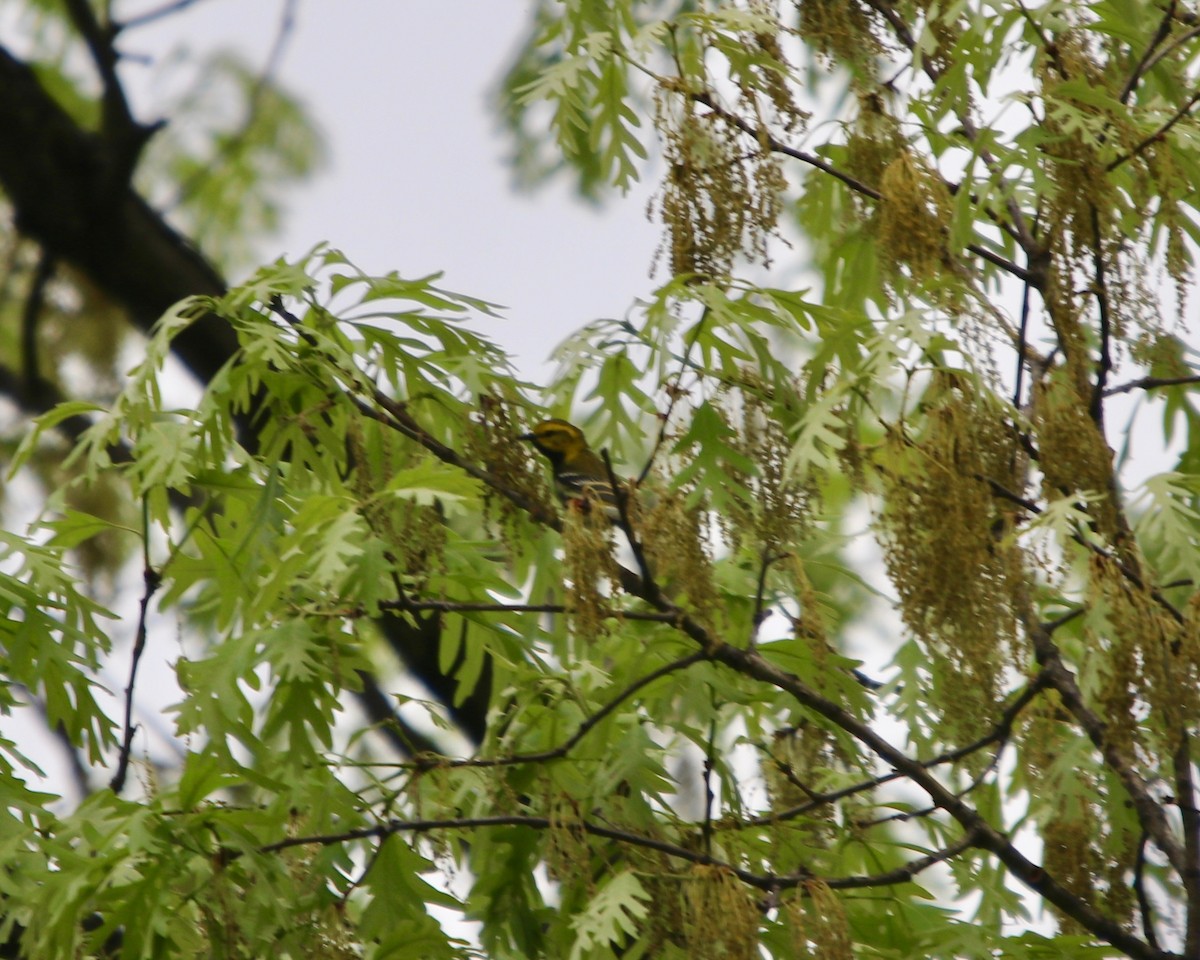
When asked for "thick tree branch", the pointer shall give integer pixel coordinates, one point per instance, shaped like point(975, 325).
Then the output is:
point(57, 178)
point(405, 740)
point(30, 366)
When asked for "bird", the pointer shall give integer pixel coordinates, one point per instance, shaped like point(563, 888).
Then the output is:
point(580, 475)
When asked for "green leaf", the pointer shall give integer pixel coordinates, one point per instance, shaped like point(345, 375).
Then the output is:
point(611, 916)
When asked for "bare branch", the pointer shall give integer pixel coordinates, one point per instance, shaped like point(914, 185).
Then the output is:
point(767, 882)
point(158, 13)
point(1100, 291)
point(152, 579)
point(673, 395)
point(1152, 383)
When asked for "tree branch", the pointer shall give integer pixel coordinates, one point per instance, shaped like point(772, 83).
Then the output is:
point(777, 146)
point(30, 367)
point(379, 707)
point(55, 175)
point(1189, 818)
point(1100, 291)
point(1149, 813)
point(158, 13)
point(1139, 888)
point(1158, 134)
point(1152, 383)
point(1021, 232)
point(152, 580)
point(751, 664)
point(124, 135)
point(767, 882)
point(1160, 34)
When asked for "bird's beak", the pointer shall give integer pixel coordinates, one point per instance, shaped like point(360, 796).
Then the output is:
point(525, 436)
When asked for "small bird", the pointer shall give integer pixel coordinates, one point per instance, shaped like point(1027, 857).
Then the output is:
point(580, 476)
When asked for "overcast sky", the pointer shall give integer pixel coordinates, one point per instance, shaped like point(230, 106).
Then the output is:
point(416, 180)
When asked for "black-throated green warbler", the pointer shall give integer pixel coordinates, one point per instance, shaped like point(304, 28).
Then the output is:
point(579, 473)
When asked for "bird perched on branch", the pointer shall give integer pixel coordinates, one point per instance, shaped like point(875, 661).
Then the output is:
point(580, 475)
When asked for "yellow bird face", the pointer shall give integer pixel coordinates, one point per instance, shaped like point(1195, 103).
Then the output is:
point(557, 440)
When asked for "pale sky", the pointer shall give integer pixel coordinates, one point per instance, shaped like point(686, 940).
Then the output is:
point(417, 180)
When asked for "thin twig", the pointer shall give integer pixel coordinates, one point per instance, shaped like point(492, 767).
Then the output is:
point(126, 137)
point(1143, 64)
point(1157, 134)
point(760, 592)
point(152, 579)
point(432, 760)
point(1101, 293)
point(1022, 346)
point(99, 40)
point(1022, 234)
point(158, 13)
point(767, 882)
point(1171, 48)
point(1152, 383)
point(455, 606)
point(706, 99)
point(673, 397)
point(650, 588)
point(1127, 571)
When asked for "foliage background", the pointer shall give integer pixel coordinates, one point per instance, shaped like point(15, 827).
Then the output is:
point(681, 739)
